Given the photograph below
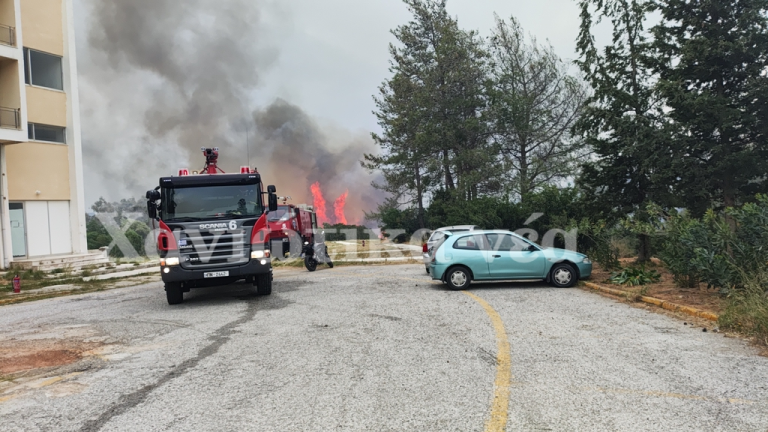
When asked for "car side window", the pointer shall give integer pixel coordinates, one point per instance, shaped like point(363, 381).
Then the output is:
point(506, 242)
point(470, 242)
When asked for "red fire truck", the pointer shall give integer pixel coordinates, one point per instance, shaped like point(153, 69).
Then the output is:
point(290, 227)
point(213, 228)
point(293, 230)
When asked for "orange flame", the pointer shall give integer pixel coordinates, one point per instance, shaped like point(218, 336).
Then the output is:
point(338, 208)
point(319, 203)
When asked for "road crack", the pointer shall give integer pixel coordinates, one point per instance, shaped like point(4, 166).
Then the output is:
point(217, 340)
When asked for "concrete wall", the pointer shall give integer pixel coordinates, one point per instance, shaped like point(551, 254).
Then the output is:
point(10, 94)
point(46, 106)
point(77, 204)
point(7, 13)
point(43, 25)
point(36, 167)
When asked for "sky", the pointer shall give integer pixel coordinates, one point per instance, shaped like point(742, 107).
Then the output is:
point(302, 75)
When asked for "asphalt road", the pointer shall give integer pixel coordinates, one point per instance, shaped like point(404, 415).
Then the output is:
point(376, 348)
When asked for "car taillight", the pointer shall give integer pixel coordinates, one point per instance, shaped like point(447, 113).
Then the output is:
point(424, 248)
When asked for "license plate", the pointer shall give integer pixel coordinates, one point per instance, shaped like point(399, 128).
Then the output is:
point(216, 274)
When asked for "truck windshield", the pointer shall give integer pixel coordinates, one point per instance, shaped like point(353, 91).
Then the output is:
point(282, 214)
point(210, 202)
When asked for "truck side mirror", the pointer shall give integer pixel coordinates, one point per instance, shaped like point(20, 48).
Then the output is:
point(272, 198)
point(152, 210)
point(152, 196)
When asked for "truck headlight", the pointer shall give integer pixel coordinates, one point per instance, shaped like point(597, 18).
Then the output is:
point(173, 261)
point(257, 254)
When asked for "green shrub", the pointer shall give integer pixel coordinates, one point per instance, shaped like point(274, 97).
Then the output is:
point(634, 276)
point(725, 250)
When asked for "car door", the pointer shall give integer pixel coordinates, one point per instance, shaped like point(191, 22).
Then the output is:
point(470, 250)
point(510, 258)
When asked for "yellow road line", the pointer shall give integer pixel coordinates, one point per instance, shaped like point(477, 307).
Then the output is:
point(500, 405)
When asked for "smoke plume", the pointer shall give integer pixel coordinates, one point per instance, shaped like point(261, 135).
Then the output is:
point(160, 79)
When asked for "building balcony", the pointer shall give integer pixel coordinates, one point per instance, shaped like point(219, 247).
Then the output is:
point(8, 43)
point(7, 35)
point(11, 126)
point(10, 118)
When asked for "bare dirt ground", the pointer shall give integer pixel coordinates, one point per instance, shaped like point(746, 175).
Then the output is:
point(25, 355)
point(699, 298)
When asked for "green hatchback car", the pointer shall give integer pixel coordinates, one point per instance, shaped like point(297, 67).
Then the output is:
point(492, 255)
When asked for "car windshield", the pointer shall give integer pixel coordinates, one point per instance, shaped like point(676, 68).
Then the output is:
point(211, 202)
point(282, 214)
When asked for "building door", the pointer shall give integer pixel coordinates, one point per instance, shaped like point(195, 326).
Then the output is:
point(18, 231)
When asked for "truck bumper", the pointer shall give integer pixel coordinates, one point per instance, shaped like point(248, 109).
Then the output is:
point(196, 278)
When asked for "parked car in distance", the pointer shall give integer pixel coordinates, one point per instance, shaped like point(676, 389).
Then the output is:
point(437, 236)
point(492, 255)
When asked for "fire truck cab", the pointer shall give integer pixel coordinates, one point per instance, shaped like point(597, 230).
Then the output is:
point(213, 229)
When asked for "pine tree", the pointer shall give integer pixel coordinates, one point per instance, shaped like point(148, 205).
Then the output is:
point(434, 135)
point(712, 57)
point(623, 122)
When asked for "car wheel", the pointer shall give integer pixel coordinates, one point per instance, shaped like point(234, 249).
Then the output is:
point(563, 276)
point(174, 294)
point(264, 284)
point(310, 263)
point(458, 278)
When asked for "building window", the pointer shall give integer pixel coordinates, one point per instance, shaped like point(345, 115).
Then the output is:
point(38, 132)
point(41, 69)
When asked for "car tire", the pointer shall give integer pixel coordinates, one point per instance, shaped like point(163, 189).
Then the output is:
point(310, 263)
point(563, 275)
point(458, 278)
point(264, 284)
point(174, 294)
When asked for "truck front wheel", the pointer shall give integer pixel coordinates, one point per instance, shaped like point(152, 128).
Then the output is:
point(173, 293)
point(264, 284)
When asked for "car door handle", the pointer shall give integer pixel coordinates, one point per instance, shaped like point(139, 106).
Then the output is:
point(497, 256)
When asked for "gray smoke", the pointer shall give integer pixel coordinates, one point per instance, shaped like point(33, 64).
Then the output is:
point(298, 152)
point(162, 78)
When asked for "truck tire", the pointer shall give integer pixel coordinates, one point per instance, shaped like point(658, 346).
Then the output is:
point(310, 263)
point(173, 293)
point(264, 284)
point(330, 264)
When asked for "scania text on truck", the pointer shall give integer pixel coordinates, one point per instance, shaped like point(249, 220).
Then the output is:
point(212, 229)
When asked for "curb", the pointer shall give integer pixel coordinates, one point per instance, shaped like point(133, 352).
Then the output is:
point(656, 302)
